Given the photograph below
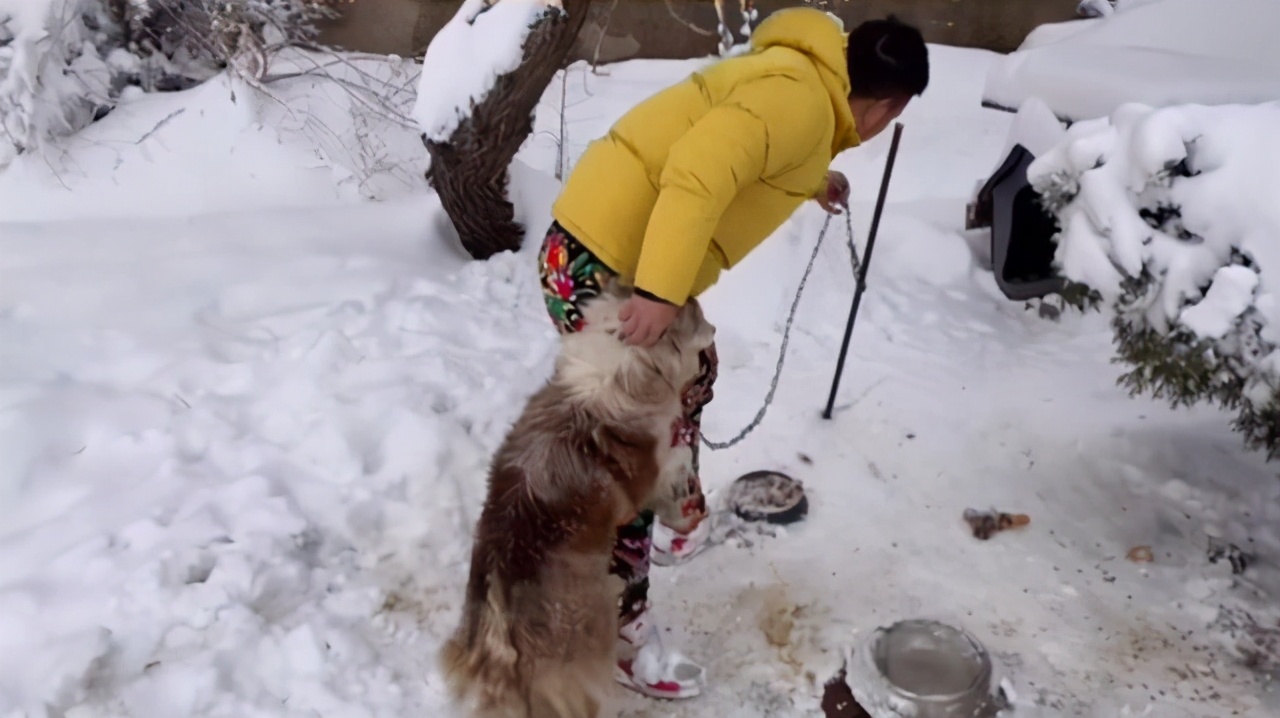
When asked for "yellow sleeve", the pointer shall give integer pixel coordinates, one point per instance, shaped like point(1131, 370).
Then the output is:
point(764, 126)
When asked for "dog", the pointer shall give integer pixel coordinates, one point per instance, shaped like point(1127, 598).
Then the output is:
point(591, 449)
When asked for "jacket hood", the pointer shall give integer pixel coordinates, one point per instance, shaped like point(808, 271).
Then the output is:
point(821, 37)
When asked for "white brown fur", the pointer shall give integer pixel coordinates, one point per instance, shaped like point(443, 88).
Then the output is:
point(539, 623)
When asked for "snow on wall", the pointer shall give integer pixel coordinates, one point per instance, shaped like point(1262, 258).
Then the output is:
point(1158, 53)
point(482, 42)
point(1208, 177)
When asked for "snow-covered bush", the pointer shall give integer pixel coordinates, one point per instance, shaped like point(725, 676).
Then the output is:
point(56, 69)
point(63, 62)
point(1172, 217)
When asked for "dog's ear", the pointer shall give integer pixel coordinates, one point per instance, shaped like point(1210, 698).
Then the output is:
point(696, 331)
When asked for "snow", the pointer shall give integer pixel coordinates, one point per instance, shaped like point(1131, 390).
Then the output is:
point(1156, 53)
point(324, 132)
point(1094, 8)
point(246, 427)
point(26, 15)
point(482, 42)
point(1035, 127)
point(1230, 293)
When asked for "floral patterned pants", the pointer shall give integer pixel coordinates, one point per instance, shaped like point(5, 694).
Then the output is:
point(571, 277)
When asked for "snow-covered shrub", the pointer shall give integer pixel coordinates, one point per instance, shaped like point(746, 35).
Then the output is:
point(56, 69)
point(1172, 217)
point(63, 62)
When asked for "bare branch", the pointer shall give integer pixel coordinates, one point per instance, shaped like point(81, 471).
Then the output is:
point(608, 18)
point(671, 9)
point(564, 134)
point(379, 108)
point(159, 125)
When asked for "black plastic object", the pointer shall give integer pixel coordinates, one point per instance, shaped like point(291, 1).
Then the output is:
point(1022, 231)
point(768, 496)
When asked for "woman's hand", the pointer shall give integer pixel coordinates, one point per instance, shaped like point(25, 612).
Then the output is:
point(836, 194)
point(645, 320)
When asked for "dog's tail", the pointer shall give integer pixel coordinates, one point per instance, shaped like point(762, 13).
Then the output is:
point(490, 676)
point(482, 666)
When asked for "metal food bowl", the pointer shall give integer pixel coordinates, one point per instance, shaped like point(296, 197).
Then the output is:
point(923, 669)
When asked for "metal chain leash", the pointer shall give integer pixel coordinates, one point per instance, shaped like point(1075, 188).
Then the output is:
point(854, 261)
point(786, 332)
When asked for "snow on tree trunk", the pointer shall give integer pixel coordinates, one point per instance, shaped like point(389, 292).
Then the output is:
point(482, 77)
point(1171, 217)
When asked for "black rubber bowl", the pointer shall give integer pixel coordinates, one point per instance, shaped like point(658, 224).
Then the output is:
point(768, 496)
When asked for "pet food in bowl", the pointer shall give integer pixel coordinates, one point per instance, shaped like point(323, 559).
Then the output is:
point(768, 496)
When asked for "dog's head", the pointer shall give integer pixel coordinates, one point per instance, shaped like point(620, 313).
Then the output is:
point(596, 366)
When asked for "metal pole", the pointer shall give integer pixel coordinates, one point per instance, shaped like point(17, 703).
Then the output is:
point(866, 264)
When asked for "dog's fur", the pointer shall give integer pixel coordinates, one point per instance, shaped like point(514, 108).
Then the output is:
point(540, 620)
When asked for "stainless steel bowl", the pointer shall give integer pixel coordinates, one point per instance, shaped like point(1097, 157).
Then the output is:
point(923, 669)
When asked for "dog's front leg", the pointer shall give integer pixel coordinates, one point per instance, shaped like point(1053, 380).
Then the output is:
point(676, 483)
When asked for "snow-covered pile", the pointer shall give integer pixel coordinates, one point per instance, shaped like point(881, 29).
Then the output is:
point(483, 41)
point(1171, 216)
point(1159, 53)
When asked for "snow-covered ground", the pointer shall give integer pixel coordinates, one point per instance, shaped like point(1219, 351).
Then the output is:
point(247, 412)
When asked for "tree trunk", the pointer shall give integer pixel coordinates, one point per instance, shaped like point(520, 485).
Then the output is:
point(469, 171)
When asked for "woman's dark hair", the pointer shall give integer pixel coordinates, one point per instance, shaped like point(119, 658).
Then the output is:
point(887, 58)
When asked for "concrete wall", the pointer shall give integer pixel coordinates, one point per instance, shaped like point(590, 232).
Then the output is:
point(385, 27)
point(647, 28)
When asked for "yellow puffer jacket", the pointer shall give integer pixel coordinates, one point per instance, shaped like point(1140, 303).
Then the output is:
point(695, 177)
